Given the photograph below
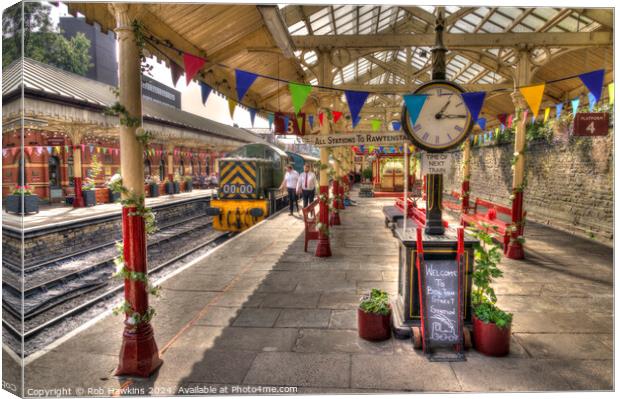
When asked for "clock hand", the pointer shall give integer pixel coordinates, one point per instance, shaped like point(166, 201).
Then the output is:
point(439, 114)
point(454, 116)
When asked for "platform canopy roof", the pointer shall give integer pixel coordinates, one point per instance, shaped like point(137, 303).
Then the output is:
point(381, 49)
point(67, 98)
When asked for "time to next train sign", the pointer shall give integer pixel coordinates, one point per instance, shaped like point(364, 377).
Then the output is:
point(350, 139)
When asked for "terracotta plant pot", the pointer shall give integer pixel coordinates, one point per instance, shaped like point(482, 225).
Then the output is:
point(489, 339)
point(372, 326)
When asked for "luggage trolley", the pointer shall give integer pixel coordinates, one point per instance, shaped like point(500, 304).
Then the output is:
point(443, 334)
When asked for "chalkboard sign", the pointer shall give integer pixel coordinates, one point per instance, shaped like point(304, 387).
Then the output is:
point(440, 282)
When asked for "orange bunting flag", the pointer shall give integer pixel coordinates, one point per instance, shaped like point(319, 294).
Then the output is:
point(232, 104)
point(533, 96)
point(547, 110)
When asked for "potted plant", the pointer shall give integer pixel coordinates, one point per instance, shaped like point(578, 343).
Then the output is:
point(88, 192)
point(153, 186)
point(169, 186)
point(491, 324)
point(373, 316)
point(188, 183)
point(177, 183)
point(14, 201)
point(114, 196)
point(367, 173)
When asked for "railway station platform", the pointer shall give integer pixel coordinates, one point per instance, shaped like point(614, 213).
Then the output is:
point(259, 312)
point(63, 214)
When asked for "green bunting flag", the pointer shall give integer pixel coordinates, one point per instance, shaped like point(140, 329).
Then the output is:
point(376, 124)
point(299, 93)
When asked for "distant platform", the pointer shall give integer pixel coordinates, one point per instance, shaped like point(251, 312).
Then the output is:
point(388, 194)
point(58, 215)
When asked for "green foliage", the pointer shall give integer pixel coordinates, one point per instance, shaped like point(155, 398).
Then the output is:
point(487, 257)
point(376, 302)
point(367, 173)
point(125, 119)
point(43, 41)
point(539, 131)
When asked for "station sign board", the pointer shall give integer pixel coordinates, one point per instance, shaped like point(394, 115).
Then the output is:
point(290, 124)
point(436, 163)
point(354, 139)
point(591, 124)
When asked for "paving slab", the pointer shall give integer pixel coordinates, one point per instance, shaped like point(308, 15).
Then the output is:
point(343, 319)
point(257, 318)
point(339, 341)
point(554, 346)
point(304, 318)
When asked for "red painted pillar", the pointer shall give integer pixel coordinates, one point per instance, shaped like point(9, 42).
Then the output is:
point(139, 355)
point(323, 248)
point(78, 201)
point(465, 196)
point(515, 248)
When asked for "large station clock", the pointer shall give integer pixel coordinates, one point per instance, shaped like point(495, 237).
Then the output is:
point(444, 121)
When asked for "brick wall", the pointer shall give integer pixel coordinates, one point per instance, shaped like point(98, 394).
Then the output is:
point(569, 182)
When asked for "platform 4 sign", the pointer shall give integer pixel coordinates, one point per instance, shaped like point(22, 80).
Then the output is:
point(351, 139)
point(436, 163)
point(591, 124)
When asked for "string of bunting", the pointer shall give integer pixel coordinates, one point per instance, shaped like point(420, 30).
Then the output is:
point(356, 99)
point(93, 149)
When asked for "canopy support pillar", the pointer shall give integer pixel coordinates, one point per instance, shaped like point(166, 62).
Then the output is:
point(139, 355)
point(466, 176)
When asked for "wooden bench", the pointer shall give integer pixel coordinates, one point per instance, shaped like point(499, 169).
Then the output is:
point(453, 203)
point(392, 214)
point(487, 220)
point(310, 230)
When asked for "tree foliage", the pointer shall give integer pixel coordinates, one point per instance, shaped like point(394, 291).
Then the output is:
point(42, 40)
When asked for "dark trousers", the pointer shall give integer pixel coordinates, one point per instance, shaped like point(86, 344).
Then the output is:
point(292, 199)
point(307, 196)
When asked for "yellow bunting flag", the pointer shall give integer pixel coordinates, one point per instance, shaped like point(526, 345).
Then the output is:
point(547, 110)
point(533, 96)
point(611, 93)
point(232, 104)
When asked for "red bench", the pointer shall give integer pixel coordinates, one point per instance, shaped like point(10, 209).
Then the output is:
point(310, 230)
point(488, 220)
point(416, 214)
point(454, 203)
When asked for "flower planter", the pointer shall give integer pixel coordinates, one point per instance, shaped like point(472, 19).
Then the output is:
point(373, 326)
point(188, 186)
point(489, 339)
point(14, 204)
point(177, 187)
point(169, 188)
point(90, 198)
point(114, 196)
point(153, 190)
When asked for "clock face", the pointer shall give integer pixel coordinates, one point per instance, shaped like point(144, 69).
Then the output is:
point(444, 121)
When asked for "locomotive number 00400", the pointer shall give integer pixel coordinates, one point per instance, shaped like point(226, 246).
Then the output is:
point(238, 189)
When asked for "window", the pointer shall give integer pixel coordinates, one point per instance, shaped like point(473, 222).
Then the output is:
point(70, 170)
point(162, 170)
point(147, 167)
point(54, 172)
point(182, 168)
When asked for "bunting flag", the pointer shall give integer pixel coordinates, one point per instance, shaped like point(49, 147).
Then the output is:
point(547, 111)
point(356, 121)
point(244, 80)
point(175, 71)
point(337, 115)
point(252, 115)
point(356, 100)
point(28, 150)
point(482, 122)
point(575, 104)
point(321, 116)
point(502, 126)
point(50, 150)
point(300, 123)
point(525, 113)
point(509, 121)
point(91, 148)
point(594, 82)
point(205, 90)
point(285, 119)
point(299, 94)
point(610, 89)
point(192, 66)
point(395, 126)
point(232, 104)
point(474, 102)
point(414, 104)
point(558, 110)
point(311, 121)
point(376, 124)
point(270, 119)
point(591, 101)
point(533, 96)
point(502, 118)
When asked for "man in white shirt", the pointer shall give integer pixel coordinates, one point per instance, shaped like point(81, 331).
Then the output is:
point(306, 185)
point(290, 182)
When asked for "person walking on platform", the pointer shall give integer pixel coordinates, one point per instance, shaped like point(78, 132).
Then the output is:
point(290, 182)
point(306, 185)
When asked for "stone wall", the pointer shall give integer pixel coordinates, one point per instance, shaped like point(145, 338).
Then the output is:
point(569, 182)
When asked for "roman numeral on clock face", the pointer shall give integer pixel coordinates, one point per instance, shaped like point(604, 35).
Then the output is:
point(458, 128)
point(417, 127)
point(425, 136)
point(436, 139)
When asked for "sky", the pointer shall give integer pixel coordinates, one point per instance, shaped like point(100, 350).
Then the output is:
point(216, 107)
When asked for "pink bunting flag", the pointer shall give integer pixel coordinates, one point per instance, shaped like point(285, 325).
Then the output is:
point(509, 121)
point(192, 66)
